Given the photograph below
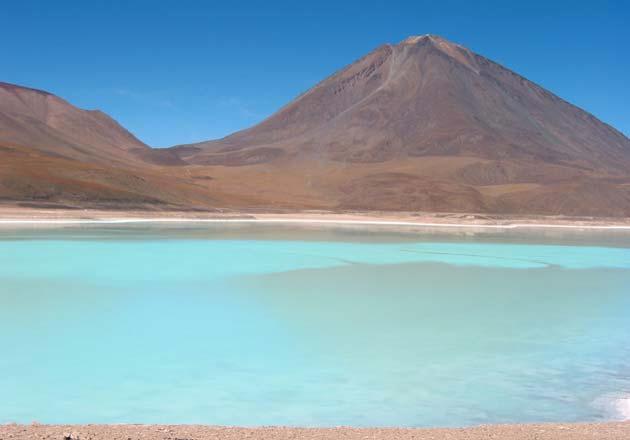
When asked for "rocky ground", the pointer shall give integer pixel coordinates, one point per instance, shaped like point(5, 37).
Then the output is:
point(606, 431)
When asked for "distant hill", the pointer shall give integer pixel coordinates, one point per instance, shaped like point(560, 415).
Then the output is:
point(53, 152)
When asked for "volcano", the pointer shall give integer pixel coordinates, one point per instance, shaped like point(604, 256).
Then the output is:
point(429, 125)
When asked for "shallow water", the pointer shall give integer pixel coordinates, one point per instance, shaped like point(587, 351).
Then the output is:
point(262, 326)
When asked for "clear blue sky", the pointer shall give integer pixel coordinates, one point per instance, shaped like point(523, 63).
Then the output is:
point(182, 71)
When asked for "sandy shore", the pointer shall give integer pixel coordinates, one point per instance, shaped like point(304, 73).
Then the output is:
point(607, 431)
point(10, 215)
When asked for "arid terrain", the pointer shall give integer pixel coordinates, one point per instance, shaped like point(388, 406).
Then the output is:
point(608, 431)
point(423, 125)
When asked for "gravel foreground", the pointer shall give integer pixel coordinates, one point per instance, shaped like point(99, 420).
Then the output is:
point(607, 431)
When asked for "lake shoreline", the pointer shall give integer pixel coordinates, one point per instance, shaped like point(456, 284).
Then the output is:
point(17, 216)
point(568, 431)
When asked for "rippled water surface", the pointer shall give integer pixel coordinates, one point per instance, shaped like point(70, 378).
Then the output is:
point(261, 326)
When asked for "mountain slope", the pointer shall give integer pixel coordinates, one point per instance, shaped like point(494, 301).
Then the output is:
point(429, 125)
point(423, 125)
point(52, 153)
point(425, 97)
point(38, 119)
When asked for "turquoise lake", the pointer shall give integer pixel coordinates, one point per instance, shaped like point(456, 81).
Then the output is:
point(276, 326)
